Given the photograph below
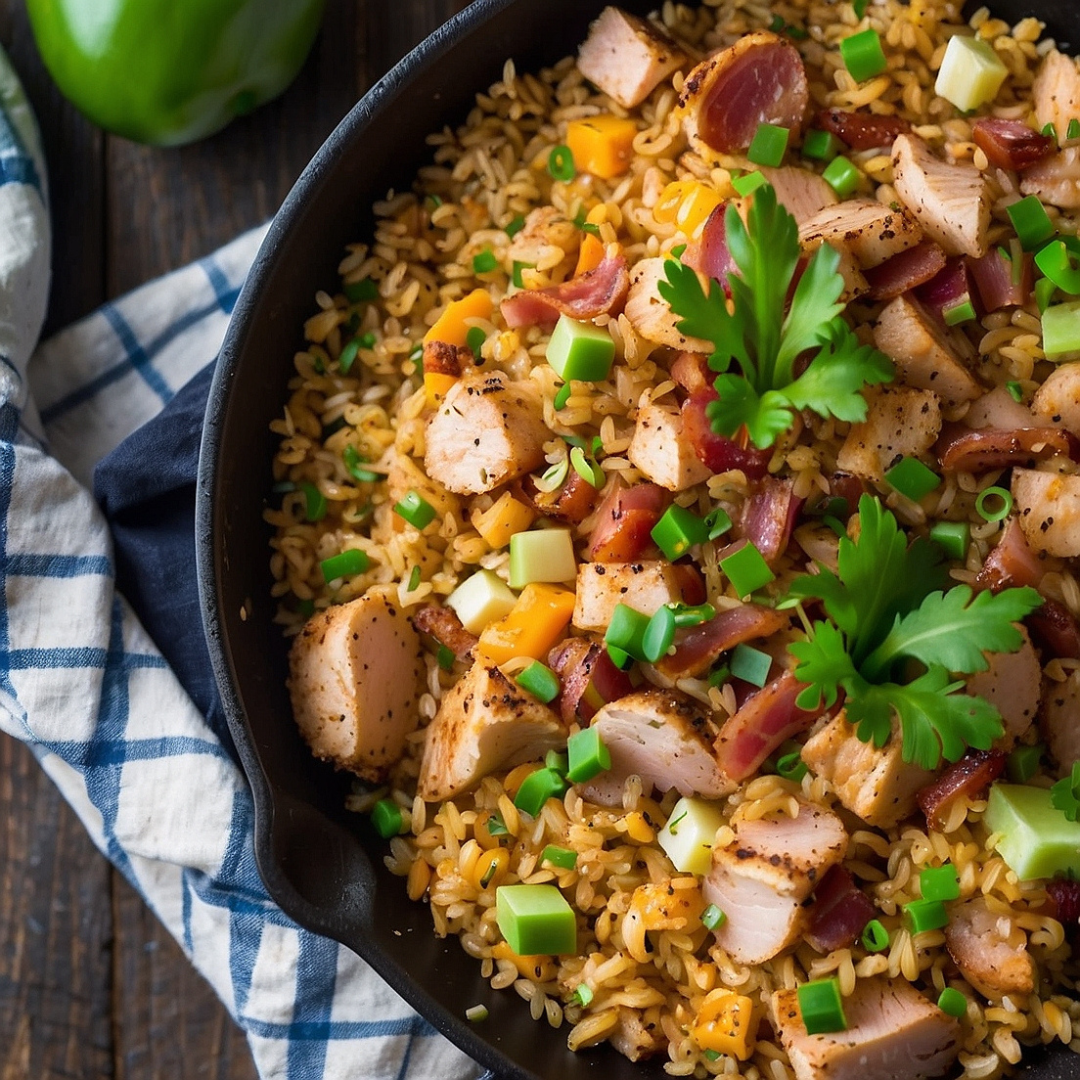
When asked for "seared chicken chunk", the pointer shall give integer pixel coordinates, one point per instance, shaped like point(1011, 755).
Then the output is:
point(989, 949)
point(356, 671)
point(901, 422)
point(1049, 508)
point(868, 230)
point(1058, 399)
point(1011, 685)
point(645, 586)
point(892, 1033)
point(761, 879)
point(1055, 179)
point(1059, 721)
point(488, 430)
point(661, 451)
point(1056, 92)
point(627, 57)
point(649, 313)
point(949, 199)
point(486, 722)
point(801, 192)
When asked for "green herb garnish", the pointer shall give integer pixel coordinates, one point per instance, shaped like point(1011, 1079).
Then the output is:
point(764, 337)
point(887, 612)
point(1065, 794)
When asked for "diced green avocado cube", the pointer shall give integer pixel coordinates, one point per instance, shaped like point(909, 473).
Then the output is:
point(541, 555)
point(480, 599)
point(1061, 329)
point(689, 835)
point(535, 920)
point(579, 350)
point(1037, 840)
point(971, 73)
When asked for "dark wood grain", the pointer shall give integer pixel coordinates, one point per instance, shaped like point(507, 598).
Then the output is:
point(91, 985)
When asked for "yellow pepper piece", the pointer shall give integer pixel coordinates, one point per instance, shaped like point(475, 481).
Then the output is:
point(437, 386)
point(639, 829)
point(502, 519)
point(723, 1024)
point(535, 623)
point(602, 145)
point(451, 326)
point(590, 254)
point(687, 204)
point(541, 968)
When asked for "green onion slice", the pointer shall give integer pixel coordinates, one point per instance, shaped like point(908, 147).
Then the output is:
point(561, 163)
point(994, 504)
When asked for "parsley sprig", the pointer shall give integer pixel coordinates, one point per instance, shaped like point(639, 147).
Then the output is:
point(1065, 794)
point(765, 336)
point(888, 613)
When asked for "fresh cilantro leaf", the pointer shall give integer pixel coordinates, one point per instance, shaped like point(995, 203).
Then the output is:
point(1065, 794)
point(824, 664)
point(813, 307)
point(739, 405)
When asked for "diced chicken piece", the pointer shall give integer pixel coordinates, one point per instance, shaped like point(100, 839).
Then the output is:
point(627, 57)
point(801, 192)
point(1056, 179)
point(356, 671)
point(1049, 510)
point(989, 949)
point(950, 200)
point(548, 241)
point(662, 452)
point(1000, 411)
point(762, 878)
point(485, 722)
point(663, 737)
point(1056, 92)
point(1059, 721)
point(649, 313)
point(870, 231)
point(923, 352)
point(1011, 685)
point(901, 422)
point(488, 430)
point(878, 785)
point(1058, 399)
point(634, 1038)
point(893, 1033)
point(645, 586)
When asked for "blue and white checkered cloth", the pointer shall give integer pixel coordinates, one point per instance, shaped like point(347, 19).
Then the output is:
point(82, 682)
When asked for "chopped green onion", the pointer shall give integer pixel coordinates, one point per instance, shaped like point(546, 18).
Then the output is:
point(387, 819)
point(563, 858)
point(1048, 130)
point(749, 183)
point(777, 24)
point(476, 1013)
point(796, 32)
point(859, 7)
point(875, 938)
point(619, 658)
point(863, 55)
point(434, 201)
point(562, 396)
point(994, 504)
point(692, 616)
point(540, 681)
point(583, 994)
point(1058, 261)
point(719, 675)
point(710, 1054)
point(677, 531)
point(626, 631)
point(474, 340)
point(790, 765)
point(821, 145)
point(537, 788)
point(561, 163)
point(747, 570)
point(842, 176)
point(1073, 130)
point(348, 355)
point(555, 759)
point(768, 145)
point(354, 463)
point(587, 754)
point(515, 275)
point(346, 564)
point(445, 657)
point(912, 478)
point(541, 555)
point(1031, 222)
point(717, 522)
point(314, 502)
point(821, 1006)
point(1023, 763)
point(415, 509)
point(1061, 329)
point(939, 883)
point(1016, 391)
point(1044, 293)
point(659, 635)
point(952, 1002)
point(961, 311)
point(712, 917)
point(306, 607)
point(922, 915)
point(484, 262)
point(496, 826)
point(365, 289)
point(592, 474)
point(750, 664)
point(515, 225)
point(536, 920)
point(585, 226)
point(579, 350)
point(952, 537)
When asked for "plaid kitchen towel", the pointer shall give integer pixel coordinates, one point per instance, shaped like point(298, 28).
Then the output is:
point(133, 738)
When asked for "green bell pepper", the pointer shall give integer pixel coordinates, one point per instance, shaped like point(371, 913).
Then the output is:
point(168, 72)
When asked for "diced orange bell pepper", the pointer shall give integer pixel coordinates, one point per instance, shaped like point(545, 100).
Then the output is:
point(451, 326)
point(687, 204)
point(602, 145)
point(501, 520)
point(723, 1024)
point(592, 250)
point(535, 623)
point(541, 968)
point(437, 386)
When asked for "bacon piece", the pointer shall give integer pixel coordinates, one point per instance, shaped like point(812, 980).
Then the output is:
point(760, 79)
point(970, 776)
point(1063, 903)
point(601, 291)
point(698, 648)
point(690, 583)
point(910, 268)
point(767, 718)
point(1011, 563)
point(573, 501)
point(625, 521)
point(949, 286)
point(961, 450)
point(995, 283)
point(445, 627)
point(860, 130)
point(710, 254)
point(718, 452)
point(1055, 630)
point(1010, 144)
point(839, 913)
point(769, 517)
point(589, 678)
point(442, 358)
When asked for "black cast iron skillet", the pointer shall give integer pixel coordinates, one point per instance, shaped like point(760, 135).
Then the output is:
point(322, 865)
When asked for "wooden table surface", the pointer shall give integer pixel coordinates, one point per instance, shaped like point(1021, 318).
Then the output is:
point(91, 985)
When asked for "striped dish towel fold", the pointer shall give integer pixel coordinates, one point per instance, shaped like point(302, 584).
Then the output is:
point(134, 738)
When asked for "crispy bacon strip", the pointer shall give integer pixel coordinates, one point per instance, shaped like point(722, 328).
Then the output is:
point(996, 283)
point(710, 254)
point(1010, 144)
point(963, 450)
point(910, 268)
point(839, 913)
point(624, 523)
point(445, 627)
point(601, 291)
point(589, 678)
point(698, 648)
point(718, 452)
point(572, 502)
point(1055, 630)
point(970, 776)
point(442, 358)
point(1011, 562)
point(861, 130)
point(769, 517)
